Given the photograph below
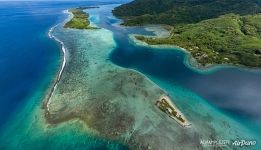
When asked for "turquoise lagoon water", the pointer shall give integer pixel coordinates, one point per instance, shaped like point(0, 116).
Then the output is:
point(231, 91)
point(29, 61)
point(229, 94)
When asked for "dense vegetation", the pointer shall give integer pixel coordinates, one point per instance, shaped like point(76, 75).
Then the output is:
point(172, 12)
point(227, 39)
point(80, 19)
point(213, 31)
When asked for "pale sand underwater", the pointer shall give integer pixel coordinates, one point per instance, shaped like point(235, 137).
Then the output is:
point(119, 104)
point(96, 103)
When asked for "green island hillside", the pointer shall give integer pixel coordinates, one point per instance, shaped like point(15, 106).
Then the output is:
point(140, 12)
point(229, 39)
point(213, 31)
point(80, 19)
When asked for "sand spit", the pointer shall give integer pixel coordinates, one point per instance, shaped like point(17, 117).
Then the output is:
point(118, 103)
point(167, 106)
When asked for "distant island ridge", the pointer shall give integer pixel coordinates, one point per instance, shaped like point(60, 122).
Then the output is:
point(80, 19)
point(80, 87)
point(213, 31)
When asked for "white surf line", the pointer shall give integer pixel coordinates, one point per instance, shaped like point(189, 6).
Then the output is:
point(51, 36)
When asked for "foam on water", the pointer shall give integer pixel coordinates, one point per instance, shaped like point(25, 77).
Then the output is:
point(28, 128)
point(62, 66)
point(98, 92)
point(98, 105)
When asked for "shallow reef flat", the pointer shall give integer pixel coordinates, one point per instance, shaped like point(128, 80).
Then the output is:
point(118, 103)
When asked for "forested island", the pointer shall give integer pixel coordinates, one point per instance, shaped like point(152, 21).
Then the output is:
point(213, 31)
point(80, 19)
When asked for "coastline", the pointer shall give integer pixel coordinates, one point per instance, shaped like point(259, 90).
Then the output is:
point(55, 83)
point(172, 107)
point(31, 128)
point(189, 60)
point(63, 65)
point(167, 97)
point(166, 119)
point(61, 70)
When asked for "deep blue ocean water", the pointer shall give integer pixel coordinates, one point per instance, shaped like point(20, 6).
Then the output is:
point(29, 60)
point(28, 57)
point(236, 91)
point(229, 88)
point(26, 52)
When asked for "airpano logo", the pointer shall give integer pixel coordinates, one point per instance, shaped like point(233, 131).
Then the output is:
point(226, 142)
point(242, 143)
